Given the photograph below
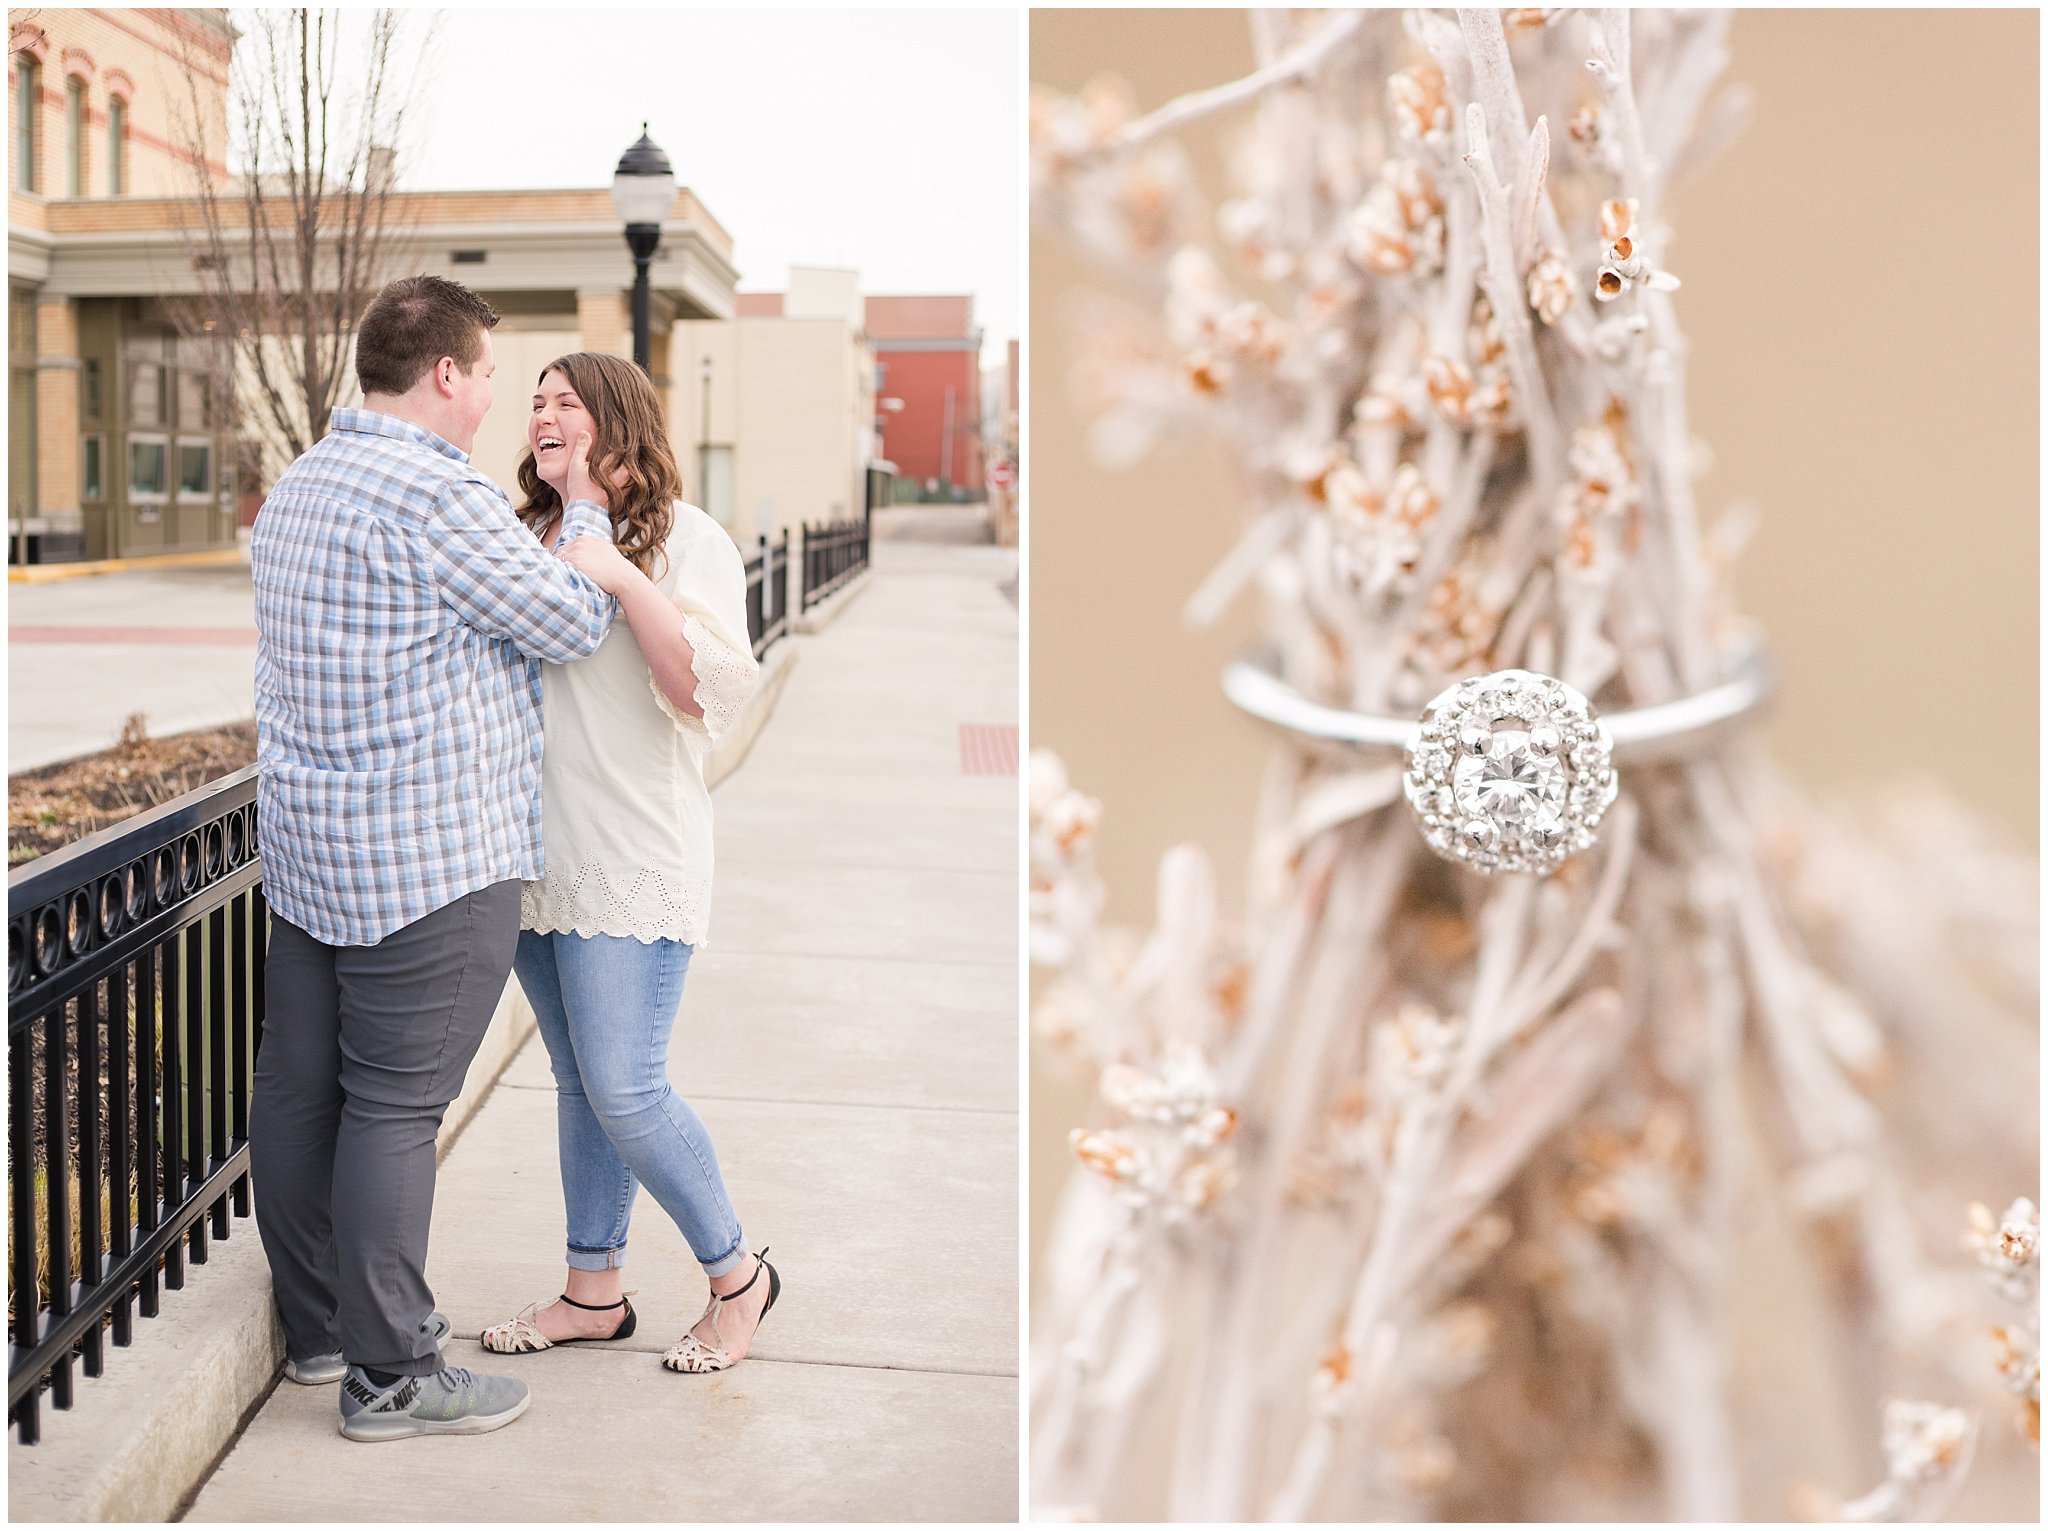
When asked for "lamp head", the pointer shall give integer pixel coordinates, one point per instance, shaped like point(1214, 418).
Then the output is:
point(644, 185)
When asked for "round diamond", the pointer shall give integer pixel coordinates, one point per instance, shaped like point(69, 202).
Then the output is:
point(1509, 783)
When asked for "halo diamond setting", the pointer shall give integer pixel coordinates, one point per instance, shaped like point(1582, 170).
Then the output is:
point(1510, 772)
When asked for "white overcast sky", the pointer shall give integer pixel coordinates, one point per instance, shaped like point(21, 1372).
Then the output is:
point(888, 140)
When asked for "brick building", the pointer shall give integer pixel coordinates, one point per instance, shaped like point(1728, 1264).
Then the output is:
point(928, 350)
point(96, 396)
point(116, 447)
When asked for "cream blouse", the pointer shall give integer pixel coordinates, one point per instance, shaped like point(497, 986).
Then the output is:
point(625, 813)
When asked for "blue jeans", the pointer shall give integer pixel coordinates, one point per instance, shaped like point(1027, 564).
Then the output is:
point(606, 1006)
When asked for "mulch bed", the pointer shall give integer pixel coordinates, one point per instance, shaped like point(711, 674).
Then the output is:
point(50, 808)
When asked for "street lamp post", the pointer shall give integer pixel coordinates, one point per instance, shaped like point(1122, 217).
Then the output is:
point(643, 190)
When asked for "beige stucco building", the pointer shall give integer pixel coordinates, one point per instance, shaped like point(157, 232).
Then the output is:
point(117, 448)
point(795, 391)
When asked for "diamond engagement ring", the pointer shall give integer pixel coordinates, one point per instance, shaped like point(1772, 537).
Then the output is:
point(1513, 771)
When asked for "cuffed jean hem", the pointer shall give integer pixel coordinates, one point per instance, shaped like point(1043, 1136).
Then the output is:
point(596, 1259)
point(727, 1261)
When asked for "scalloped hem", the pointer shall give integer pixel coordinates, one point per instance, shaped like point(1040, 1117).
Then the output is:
point(588, 902)
point(644, 937)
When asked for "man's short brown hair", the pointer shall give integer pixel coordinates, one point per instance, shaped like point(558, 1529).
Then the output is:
point(412, 324)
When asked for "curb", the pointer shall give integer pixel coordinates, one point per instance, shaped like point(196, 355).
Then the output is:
point(827, 611)
point(49, 573)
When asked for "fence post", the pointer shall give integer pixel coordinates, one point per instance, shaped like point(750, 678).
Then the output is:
point(767, 587)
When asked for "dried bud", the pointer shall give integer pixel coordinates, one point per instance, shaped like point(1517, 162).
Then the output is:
point(1203, 1182)
point(1247, 332)
point(1390, 399)
point(1348, 495)
point(1206, 373)
point(1399, 227)
point(1617, 218)
point(1331, 1386)
point(1109, 1154)
point(1068, 822)
point(1450, 387)
point(2018, 1360)
point(1133, 1092)
point(1411, 499)
point(1421, 106)
point(1923, 1440)
point(1216, 1126)
point(1550, 287)
point(2008, 1244)
point(1588, 127)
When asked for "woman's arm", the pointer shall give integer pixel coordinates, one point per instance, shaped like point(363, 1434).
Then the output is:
point(657, 625)
point(700, 665)
point(658, 629)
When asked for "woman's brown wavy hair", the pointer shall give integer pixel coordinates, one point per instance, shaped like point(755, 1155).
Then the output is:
point(631, 435)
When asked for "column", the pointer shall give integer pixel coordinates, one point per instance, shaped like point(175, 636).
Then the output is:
point(57, 374)
point(604, 320)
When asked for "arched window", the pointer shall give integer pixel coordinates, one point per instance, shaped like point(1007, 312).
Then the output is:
point(117, 146)
point(28, 95)
point(75, 181)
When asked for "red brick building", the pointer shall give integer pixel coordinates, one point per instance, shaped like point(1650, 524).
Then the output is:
point(928, 351)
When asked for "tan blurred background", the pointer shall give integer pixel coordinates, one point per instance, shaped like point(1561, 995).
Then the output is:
point(1861, 294)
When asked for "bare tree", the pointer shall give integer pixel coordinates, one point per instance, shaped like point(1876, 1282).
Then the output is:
point(291, 250)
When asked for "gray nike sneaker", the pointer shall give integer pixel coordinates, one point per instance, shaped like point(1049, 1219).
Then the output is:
point(450, 1402)
point(332, 1367)
point(315, 1370)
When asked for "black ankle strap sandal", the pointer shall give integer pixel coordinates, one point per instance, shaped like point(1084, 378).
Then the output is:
point(690, 1354)
point(520, 1335)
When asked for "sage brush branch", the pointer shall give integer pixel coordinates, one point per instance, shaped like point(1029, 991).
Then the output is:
point(1418, 1195)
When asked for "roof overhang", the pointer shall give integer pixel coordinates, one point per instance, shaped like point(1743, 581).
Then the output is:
point(690, 271)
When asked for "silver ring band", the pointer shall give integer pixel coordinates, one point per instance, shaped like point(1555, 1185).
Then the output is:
point(1513, 771)
point(1662, 731)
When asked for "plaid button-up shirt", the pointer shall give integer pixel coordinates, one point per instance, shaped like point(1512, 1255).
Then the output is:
point(401, 610)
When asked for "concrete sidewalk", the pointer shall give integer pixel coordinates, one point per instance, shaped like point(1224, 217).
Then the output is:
point(850, 1037)
point(175, 644)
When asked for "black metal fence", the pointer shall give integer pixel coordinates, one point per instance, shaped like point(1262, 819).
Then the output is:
point(833, 554)
point(768, 594)
point(135, 1002)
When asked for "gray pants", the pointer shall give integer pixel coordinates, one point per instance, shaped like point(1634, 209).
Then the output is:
point(363, 1049)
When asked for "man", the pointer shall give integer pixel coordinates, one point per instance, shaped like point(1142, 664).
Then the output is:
point(401, 611)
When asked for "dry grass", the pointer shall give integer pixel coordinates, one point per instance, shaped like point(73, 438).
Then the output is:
point(49, 809)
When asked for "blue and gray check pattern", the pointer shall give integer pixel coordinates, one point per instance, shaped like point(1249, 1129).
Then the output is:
point(401, 609)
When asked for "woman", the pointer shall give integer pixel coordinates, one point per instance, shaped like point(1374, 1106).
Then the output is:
point(606, 937)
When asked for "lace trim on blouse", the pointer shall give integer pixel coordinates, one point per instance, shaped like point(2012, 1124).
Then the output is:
point(725, 679)
point(585, 902)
